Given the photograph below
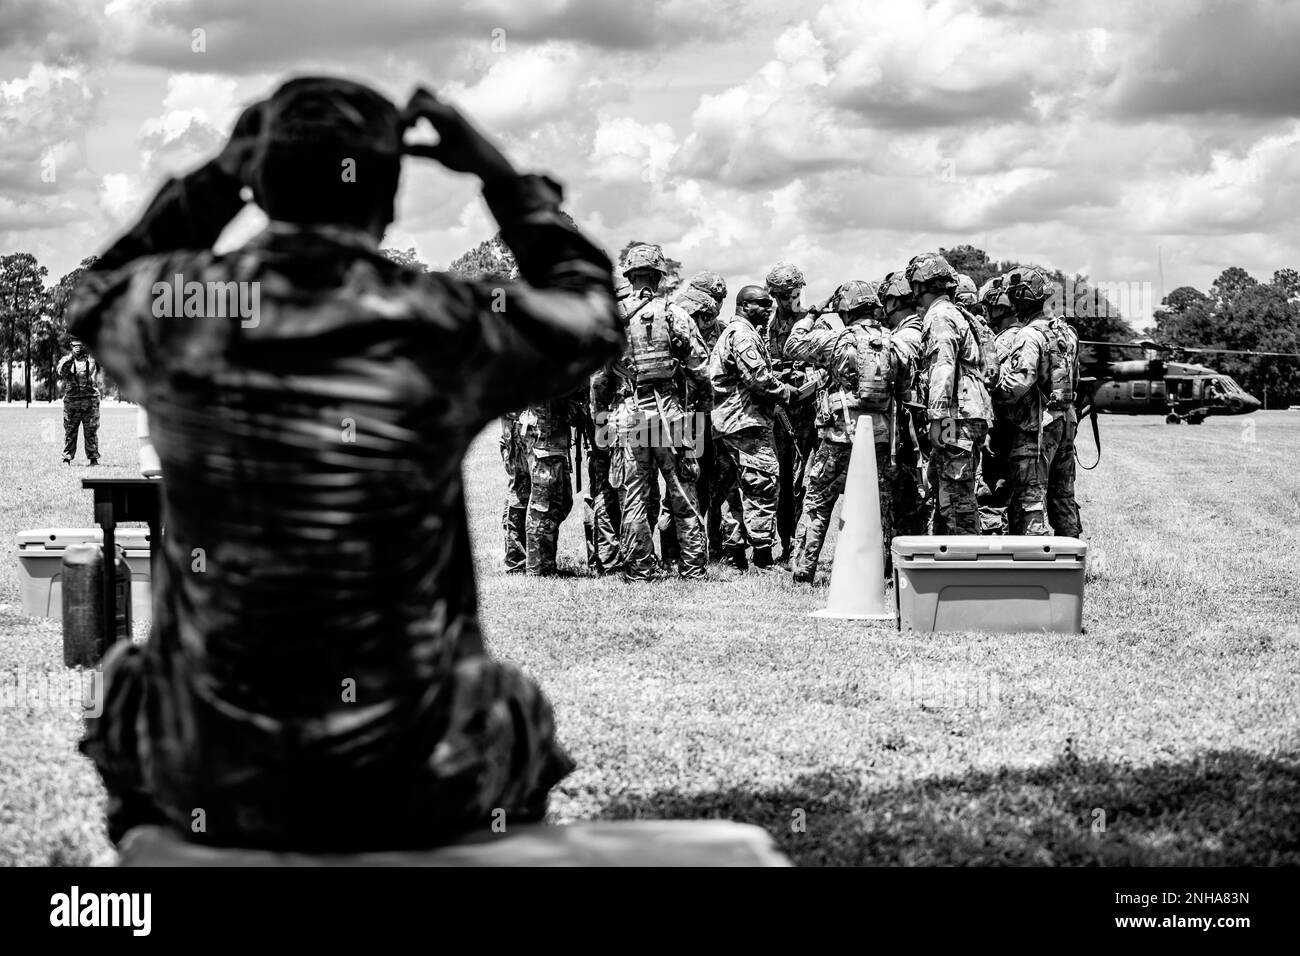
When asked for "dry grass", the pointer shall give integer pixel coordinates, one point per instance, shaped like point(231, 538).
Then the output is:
point(1174, 716)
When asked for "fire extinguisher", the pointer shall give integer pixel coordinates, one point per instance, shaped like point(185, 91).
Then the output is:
point(84, 640)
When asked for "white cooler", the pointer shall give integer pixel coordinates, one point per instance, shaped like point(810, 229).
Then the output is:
point(40, 566)
point(992, 583)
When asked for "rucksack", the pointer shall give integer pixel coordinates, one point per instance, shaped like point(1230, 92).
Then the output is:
point(1062, 361)
point(875, 367)
point(985, 339)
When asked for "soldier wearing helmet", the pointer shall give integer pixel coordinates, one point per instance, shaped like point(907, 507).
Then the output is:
point(701, 298)
point(1036, 390)
point(655, 428)
point(711, 283)
point(868, 375)
point(913, 503)
point(994, 490)
point(795, 431)
point(746, 397)
point(958, 410)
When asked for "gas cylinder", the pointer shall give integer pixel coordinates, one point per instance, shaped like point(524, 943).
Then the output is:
point(84, 641)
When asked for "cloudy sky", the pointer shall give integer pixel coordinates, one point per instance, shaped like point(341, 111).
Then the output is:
point(843, 136)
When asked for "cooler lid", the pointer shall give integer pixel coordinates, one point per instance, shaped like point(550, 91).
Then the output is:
point(970, 547)
point(60, 538)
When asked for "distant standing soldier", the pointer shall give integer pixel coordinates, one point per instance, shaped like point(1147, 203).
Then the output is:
point(994, 491)
point(1038, 382)
point(913, 502)
point(745, 397)
point(795, 429)
point(957, 403)
point(80, 375)
point(868, 376)
point(536, 448)
point(662, 339)
point(602, 518)
point(714, 470)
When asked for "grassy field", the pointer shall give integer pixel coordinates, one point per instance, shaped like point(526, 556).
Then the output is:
point(1168, 734)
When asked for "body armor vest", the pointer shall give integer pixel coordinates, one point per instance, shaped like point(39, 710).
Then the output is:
point(875, 367)
point(649, 342)
point(1062, 355)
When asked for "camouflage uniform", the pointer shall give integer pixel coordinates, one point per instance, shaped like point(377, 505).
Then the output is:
point(540, 495)
point(793, 444)
point(324, 685)
point(744, 395)
point(956, 397)
point(650, 422)
point(604, 514)
point(80, 405)
point(913, 507)
point(836, 351)
point(1042, 460)
point(994, 490)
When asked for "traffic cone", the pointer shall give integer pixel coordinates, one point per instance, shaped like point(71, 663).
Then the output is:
point(858, 573)
point(150, 466)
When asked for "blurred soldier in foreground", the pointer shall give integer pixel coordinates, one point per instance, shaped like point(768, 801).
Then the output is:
point(746, 396)
point(868, 376)
point(321, 683)
point(80, 376)
point(957, 403)
point(795, 429)
point(1038, 382)
point(655, 430)
point(913, 497)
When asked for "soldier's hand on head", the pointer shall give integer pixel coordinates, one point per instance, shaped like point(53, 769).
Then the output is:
point(460, 147)
point(236, 156)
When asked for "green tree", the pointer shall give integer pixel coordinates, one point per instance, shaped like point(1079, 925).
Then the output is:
point(973, 262)
point(1183, 298)
point(406, 258)
point(22, 294)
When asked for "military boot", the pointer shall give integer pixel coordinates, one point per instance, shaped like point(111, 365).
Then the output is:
point(763, 558)
point(736, 558)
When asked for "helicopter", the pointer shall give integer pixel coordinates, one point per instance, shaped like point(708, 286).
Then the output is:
point(1155, 385)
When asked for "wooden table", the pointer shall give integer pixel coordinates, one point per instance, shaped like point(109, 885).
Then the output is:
point(124, 499)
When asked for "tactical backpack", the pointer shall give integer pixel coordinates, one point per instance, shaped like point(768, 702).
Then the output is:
point(986, 340)
point(875, 368)
point(1062, 358)
point(650, 342)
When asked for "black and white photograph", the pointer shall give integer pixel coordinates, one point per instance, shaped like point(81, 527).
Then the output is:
point(675, 434)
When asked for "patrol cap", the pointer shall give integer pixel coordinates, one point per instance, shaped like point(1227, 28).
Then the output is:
point(328, 112)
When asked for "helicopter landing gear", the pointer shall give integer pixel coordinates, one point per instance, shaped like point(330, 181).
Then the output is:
point(1196, 417)
point(1173, 418)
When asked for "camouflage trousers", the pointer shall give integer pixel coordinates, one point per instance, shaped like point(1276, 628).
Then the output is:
point(602, 513)
point(826, 474)
point(495, 752)
point(751, 498)
point(539, 496)
point(1042, 482)
point(993, 491)
point(912, 506)
point(955, 470)
point(793, 449)
point(80, 413)
point(641, 465)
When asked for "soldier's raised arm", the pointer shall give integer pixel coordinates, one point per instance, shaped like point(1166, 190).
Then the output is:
point(807, 343)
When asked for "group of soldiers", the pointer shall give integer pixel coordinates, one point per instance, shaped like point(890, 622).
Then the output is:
point(750, 423)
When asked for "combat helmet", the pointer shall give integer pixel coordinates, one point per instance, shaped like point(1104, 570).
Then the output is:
point(711, 283)
point(783, 279)
point(645, 256)
point(895, 284)
point(993, 296)
point(856, 293)
point(1027, 289)
point(966, 292)
point(930, 267)
point(696, 301)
